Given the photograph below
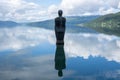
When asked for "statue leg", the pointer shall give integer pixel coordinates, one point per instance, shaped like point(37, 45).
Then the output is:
point(60, 38)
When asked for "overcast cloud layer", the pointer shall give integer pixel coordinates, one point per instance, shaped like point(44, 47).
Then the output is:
point(22, 10)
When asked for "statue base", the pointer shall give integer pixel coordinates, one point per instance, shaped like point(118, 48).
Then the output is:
point(60, 42)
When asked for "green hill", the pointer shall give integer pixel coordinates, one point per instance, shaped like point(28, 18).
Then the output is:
point(109, 24)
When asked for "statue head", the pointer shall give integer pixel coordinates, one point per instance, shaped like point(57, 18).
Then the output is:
point(60, 12)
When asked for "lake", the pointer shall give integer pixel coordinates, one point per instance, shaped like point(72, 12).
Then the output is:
point(30, 53)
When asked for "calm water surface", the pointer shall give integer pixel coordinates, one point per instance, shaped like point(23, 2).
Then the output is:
point(28, 53)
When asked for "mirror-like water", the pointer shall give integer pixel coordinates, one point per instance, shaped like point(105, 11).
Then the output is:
point(28, 53)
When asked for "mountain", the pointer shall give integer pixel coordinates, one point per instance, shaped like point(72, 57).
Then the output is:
point(8, 24)
point(109, 24)
point(71, 23)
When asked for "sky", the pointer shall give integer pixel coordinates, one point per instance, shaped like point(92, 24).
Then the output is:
point(37, 10)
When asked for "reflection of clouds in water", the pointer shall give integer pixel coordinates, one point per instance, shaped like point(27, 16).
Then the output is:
point(42, 68)
point(34, 67)
point(26, 66)
point(108, 75)
point(81, 44)
point(93, 44)
point(20, 37)
point(30, 68)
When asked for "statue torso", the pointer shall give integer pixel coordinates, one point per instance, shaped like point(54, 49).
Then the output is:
point(60, 24)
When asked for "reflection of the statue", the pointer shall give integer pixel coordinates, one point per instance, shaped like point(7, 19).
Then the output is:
point(60, 60)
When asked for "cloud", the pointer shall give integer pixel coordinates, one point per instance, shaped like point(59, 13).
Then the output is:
point(81, 7)
point(22, 10)
point(119, 5)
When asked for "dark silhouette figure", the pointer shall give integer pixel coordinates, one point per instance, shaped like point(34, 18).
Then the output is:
point(60, 60)
point(60, 28)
